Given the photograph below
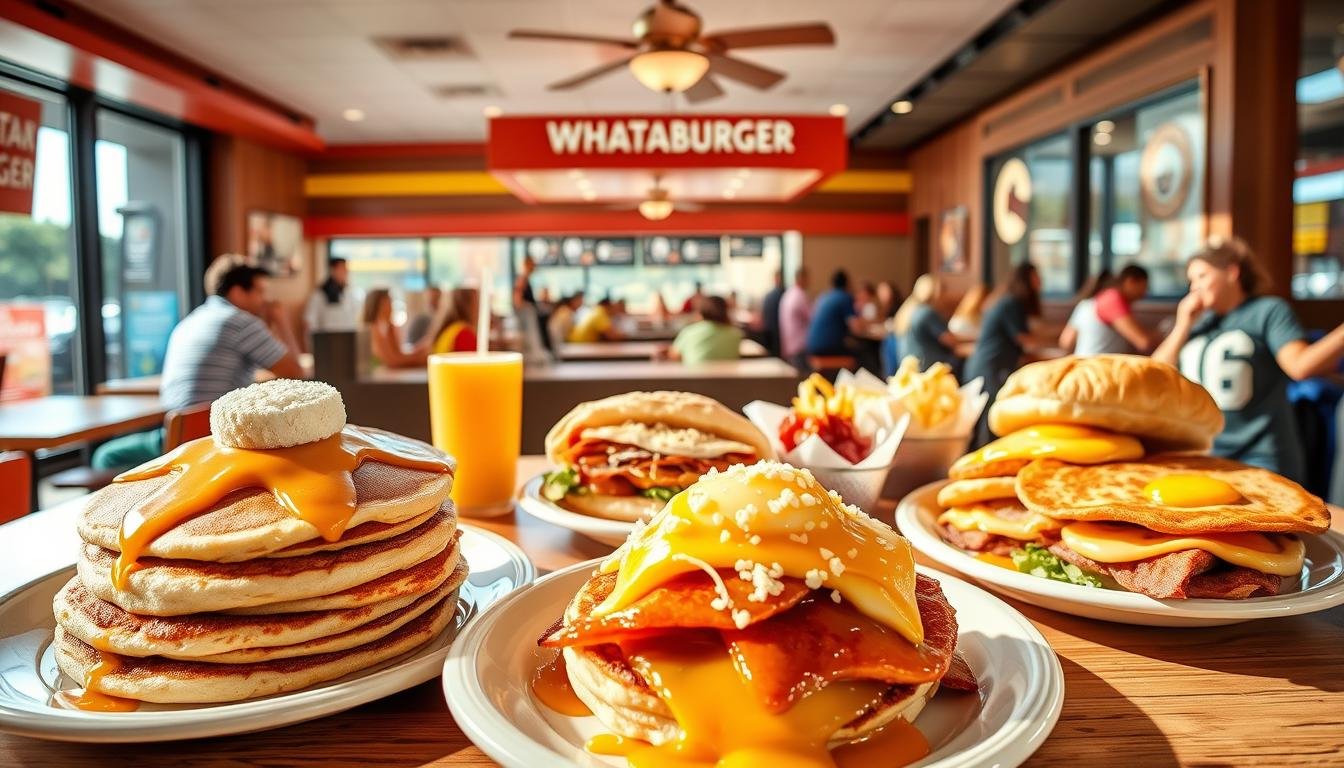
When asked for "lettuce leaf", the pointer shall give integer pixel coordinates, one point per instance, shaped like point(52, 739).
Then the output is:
point(555, 485)
point(659, 493)
point(1038, 561)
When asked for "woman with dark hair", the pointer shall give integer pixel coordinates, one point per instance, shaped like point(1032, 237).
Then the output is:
point(457, 333)
point(1244, 348)
point(385, 337)
point(1004, 338)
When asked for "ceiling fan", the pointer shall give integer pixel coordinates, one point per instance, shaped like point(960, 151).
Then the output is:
point(670, 54)
point(658, 203)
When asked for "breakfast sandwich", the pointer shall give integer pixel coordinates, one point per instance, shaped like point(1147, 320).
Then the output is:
point(758, 619)
point(623, 457)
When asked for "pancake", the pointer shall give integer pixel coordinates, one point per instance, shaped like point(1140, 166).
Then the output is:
point(1114, 492)
point(208, 635)
point(990, 469)
point(249, 523)
point(364, 534)
point(169, 681)
point(162, 587)
point(959, 493)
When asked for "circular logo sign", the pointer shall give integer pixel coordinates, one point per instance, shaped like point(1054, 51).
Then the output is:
point(1012, 197)
point(1166, 171)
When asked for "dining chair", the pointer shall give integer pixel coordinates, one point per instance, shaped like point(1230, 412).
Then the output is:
point(16, 478)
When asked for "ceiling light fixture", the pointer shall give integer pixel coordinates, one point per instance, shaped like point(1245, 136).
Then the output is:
point(903, 107)
point(353, 114)
point(735, 183)
point(729, 194)
point(1105, 126)
point(1101, 139)
point(583, 183)
point(839, 110)
point(656, 210)
point(492, 111)
point(669, 70)
point(575, 173)
point(589, 194)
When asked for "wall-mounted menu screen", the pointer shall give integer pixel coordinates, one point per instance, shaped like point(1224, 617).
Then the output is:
point(580, 251)
point(682, 250)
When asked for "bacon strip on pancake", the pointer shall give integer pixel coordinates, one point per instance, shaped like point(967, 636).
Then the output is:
point(616, 469)
point(979, 541)
point(1190, 573)
point(818, 641)
point(685, 602)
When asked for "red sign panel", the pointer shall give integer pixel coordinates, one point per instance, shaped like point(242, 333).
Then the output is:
point(19, 118)
point(23, 342)
point(667, 141)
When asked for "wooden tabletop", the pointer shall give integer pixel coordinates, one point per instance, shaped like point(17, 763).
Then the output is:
point(136, 385)
point(637, 350)
point(1265, 693)
point(754, 368)
point(46, 422)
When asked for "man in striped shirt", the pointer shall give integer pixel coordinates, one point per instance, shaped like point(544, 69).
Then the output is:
point(217, 348)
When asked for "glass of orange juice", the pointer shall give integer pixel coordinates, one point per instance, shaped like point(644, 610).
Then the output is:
point(476, 416)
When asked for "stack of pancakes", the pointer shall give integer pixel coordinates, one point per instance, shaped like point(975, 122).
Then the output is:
point(247, 599)
point(1099, 464)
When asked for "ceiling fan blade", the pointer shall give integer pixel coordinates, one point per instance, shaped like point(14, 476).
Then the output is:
point(742, 71)
point(704, 89)
point(688, 207)
point(565, 37)
point(673, 22)
point(819, 33)
point(591, 74)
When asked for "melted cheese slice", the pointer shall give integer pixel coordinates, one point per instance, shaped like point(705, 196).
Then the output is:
point(1028, 527)
point(1066, 442)
point(1190, 491)
point(668, 441)
point(767, 521)
point(1122, 543)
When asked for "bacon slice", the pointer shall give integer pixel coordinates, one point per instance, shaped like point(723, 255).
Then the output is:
point(617, 469)
point(685, 602)
point(1190, 573)
point(818, 642)
point(978, 541)
point(959, 676)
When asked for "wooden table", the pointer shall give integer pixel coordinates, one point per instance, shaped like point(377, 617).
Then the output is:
point(49, 422)
point(136, 385)
point(636, 350)
point(1264, 693)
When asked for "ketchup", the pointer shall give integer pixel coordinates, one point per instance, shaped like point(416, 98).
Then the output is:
point(837, 432)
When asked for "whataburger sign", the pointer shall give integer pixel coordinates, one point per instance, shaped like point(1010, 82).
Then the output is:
point(665, 141)
point(19, 119)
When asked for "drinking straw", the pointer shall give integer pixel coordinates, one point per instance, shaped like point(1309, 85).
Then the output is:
point(483, 314)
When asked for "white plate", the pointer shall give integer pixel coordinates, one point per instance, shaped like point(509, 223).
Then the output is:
point(613, 532)
point(29, 677)
point(1321, 585)
point(486, 680)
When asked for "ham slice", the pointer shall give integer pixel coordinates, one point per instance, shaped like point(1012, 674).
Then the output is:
point(1190, 573)
point(616, 469)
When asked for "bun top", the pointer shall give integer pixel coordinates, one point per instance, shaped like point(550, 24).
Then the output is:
point(678, 410)
point(1129, 394)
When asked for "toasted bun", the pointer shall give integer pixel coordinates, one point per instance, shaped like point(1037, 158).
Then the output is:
point(624, 508)
point(1114, 492)
point(1129, 394)
point(681, 410)
point(277, 414)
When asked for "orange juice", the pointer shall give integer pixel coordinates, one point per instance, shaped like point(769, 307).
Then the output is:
point(476, 416)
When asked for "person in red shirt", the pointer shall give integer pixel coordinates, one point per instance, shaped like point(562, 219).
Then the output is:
point(1113, 307)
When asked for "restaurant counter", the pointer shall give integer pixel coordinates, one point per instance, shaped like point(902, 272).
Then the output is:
point(398, 399)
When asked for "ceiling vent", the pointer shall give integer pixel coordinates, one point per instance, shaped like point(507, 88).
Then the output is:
point(464, 90)
point(425, 48)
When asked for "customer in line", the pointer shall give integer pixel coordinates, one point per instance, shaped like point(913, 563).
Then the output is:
point(921, 329)
point(562, 320)
point(458, 334)
point(597, 324)
point(770, 314)
point(970, 311)
point(216, 348)
point(836, 326)
point(795, 315)
point(1105, 322)
point(334, 305)
point(1005, 338)
point(384, 336)
point(712, 337)
point(1244, 347)
point(423, 322)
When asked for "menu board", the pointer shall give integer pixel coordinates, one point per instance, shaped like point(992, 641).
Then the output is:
point(580, 251)
point(661, 251)
point(746, 247)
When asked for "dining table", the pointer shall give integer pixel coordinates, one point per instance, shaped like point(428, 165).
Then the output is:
point(1262, 693)
point(626, 349)
point(57, 420)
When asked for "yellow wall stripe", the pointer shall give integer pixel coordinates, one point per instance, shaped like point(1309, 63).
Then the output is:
point(409, 183)
point(868, 183)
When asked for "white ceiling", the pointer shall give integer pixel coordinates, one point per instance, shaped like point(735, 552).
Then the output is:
point(318, 55)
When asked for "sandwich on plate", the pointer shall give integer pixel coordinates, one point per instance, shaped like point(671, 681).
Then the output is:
point(623, 457)
point(758, 620)
point(1098, 479)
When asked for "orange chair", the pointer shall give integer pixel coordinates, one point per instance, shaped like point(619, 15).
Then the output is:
point(16, 478)
point(182, 425)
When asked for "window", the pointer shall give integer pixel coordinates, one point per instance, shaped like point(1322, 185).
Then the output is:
point(141, 175)
point(1318, 192)
point(1146, 176)
point(460, 261)
point(1031, 212)
point(39, 315)
point(382, 263)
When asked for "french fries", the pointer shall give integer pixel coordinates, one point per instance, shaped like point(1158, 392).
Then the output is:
point(817, 398)
point(931, 397)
